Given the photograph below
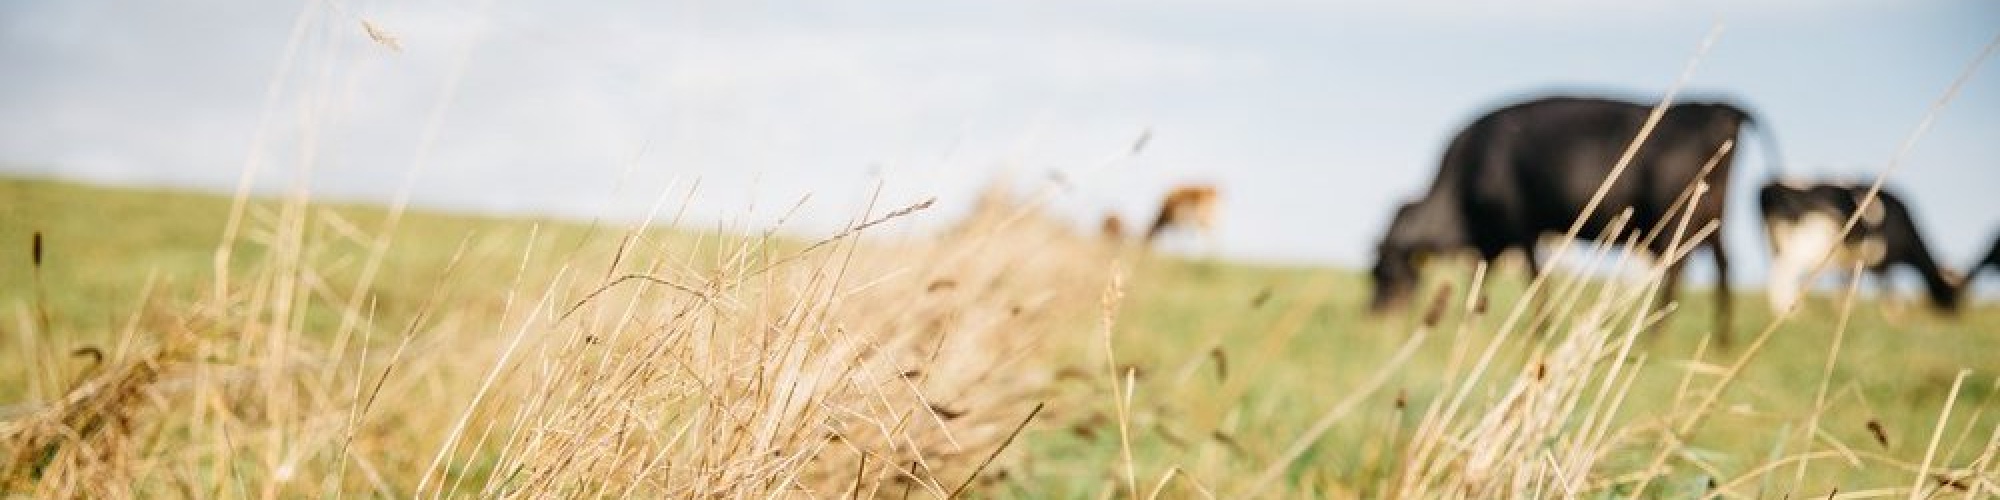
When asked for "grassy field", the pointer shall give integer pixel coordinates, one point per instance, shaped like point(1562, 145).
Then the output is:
point(348, 352)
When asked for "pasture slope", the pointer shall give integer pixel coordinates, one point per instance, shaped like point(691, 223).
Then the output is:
point(1008, 356)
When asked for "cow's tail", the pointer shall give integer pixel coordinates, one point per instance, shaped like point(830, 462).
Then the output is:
point(1773, 160)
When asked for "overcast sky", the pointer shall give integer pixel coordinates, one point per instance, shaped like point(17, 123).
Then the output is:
point(1315, 118)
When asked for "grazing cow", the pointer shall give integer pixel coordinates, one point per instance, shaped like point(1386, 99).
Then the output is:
point(1803, 221)
point(1528, 169)
point(1190, 206)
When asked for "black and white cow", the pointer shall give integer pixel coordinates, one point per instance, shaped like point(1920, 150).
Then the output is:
point(1992, 260)
point(1803, 221)
point(1989, 261)
point(1528, 169)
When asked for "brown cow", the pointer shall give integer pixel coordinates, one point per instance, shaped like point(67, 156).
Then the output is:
point(1190, 206)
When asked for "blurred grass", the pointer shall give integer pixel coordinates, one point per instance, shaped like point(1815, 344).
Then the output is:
point(1233, 361)
point(101, 244)
point(1295, 337)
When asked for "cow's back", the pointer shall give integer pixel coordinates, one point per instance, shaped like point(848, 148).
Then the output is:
point(1535, 166)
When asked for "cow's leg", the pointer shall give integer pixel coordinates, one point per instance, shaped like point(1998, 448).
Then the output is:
point(1490, 256)
point(1534, 264)
point(1544, 315)
point(1670, 284)
point(1540, 321)
point(1670, 281)
point(1725, 309)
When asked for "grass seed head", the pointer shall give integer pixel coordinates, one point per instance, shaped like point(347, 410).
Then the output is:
point(1875, 428)
point(1440, 302)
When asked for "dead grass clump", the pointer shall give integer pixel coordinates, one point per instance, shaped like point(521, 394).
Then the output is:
point(90, 440)
point(859, 370)
point(842, 367)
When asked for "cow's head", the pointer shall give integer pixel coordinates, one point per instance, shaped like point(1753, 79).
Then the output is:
point(1395, 276)
point(1419, 229)
point(1950, 298)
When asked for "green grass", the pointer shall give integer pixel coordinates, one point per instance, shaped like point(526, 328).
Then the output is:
point(1234, 361)
point(1286, 370)
point(102, 244)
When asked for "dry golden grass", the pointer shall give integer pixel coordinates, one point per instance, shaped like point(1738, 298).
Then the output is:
point(986, 359)
point(659, 364)
point(842, 367)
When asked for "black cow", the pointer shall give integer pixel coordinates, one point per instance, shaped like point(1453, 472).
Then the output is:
point(1803, 221)
point(1528, 169)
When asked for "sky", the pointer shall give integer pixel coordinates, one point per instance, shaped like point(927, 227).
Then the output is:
point(1315, 119)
